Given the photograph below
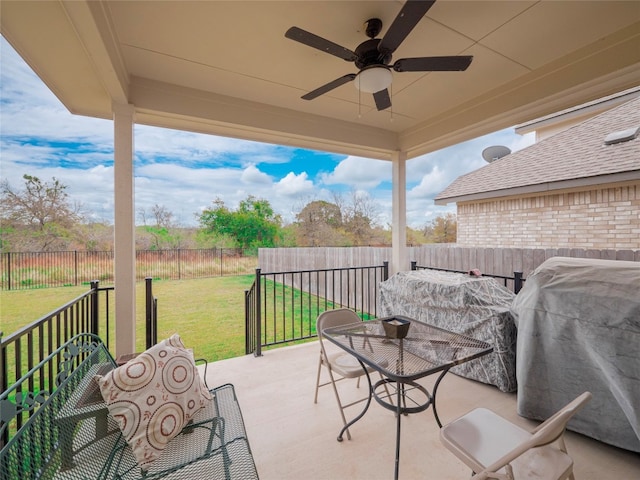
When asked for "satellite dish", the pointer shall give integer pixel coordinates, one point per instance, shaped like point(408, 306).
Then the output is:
point(495, 152)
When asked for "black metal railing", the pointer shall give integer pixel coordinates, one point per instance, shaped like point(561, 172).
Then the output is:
point(91, 312)
point(514, 283)
point(150, 315)
point(23, 398)
point(22, 350)
point(251, 315)
point(25, 270)
point(282, 307)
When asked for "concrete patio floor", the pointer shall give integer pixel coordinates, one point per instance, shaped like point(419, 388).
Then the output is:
point(293, 438)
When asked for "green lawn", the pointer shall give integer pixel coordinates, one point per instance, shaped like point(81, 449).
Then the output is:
point(21, 307)
point(207, 313)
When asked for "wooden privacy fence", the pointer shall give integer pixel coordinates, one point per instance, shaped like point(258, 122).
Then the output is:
point(496, 261)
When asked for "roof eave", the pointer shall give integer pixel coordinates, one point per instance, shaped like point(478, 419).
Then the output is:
point(590, 108)
point(622, 177)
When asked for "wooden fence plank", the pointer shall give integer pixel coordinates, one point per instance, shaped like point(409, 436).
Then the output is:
point(624, 255)
point(497, 261)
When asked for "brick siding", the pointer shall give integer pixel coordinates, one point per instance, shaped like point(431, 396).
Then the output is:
point(607, 217)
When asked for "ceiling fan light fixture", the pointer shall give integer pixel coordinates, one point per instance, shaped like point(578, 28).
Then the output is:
point(373, 79)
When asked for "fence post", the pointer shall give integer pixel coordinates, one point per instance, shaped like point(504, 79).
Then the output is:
point(179, 264)
point(413, 265)
point(3, 385)
point(155, 321)
point(75, 267)
point(148, 316)
point(95, 325)
point(247, 324)
point(8, 270)
point(517, 282)
point(258, 352)
point(385, 270)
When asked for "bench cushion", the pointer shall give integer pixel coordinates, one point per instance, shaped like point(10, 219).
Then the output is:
point(154, 396)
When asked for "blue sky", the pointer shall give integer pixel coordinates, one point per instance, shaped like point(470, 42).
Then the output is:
point(185, 172)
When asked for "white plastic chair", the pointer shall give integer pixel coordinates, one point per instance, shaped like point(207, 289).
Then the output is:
point(496, 448)
point(338, 361)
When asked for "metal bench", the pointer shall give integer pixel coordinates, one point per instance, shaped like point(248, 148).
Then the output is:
point(64, 430)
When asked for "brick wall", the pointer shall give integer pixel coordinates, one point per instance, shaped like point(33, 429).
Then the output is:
point(603, 217)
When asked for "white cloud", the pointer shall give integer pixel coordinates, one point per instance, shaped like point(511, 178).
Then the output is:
point(252, 175)
point(518, 142)
point(430, 174)
point(271, 155)
point(189, 147)
point(359, 172)
point(29, 107)
point(293, 185)
point(431, 184)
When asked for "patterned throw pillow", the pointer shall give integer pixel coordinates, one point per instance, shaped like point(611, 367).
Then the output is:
point(153, 396)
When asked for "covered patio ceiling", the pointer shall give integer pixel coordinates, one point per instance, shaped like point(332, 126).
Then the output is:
point(226, 68)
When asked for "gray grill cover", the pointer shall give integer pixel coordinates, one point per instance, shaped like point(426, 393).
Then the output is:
point(579, 329)
point(475, 306)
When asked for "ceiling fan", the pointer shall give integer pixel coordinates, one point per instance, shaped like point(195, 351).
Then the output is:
point(372, 56)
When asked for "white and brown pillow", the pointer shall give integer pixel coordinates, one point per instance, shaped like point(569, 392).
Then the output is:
point(153, 396)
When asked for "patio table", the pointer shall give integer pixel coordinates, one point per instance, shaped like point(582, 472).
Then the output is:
point(425, 350)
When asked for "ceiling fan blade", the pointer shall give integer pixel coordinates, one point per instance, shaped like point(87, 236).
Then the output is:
point(433, 64)
point(383, 101)
point(311, 40)
point(329, 86)
point(411, 13)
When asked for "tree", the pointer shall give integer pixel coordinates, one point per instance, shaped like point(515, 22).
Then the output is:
point(341, 223)
point(162, 231)
point(253, 224)
point(415, 237)
point(40, 217)
point(319, 224)
point(358, 218)
point(94, 236)
point(442, 229)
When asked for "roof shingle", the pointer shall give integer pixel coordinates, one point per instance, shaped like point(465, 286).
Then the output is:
point(576, 153)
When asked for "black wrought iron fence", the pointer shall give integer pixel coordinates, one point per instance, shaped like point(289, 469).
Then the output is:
point(91, 312)
point(514, 283)
point(251, 315)
point(22, 350)
point(282, 307)
point(25, 270)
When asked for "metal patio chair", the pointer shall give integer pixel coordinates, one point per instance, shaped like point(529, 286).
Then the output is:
point(496, 448)
point(336, 361)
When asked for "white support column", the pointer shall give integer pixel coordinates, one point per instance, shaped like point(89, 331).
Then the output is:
point(124, 229)
point(399, 260)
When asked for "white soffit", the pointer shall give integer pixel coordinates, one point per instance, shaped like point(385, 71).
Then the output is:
point(226, 68)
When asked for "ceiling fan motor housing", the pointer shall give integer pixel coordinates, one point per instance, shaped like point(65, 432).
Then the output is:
point(368, 54)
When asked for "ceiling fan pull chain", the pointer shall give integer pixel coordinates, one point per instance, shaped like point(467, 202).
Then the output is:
point(391, 96)
point(359, 98)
